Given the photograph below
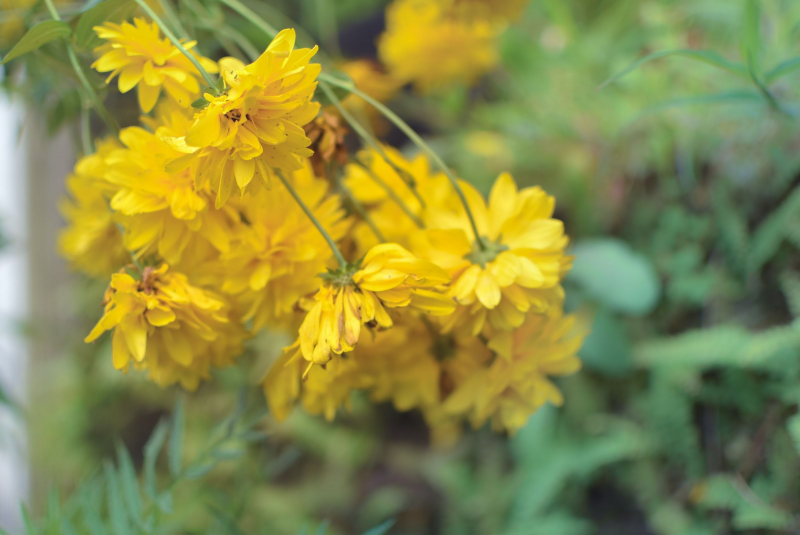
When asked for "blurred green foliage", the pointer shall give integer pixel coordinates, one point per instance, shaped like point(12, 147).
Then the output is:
point(678, 182)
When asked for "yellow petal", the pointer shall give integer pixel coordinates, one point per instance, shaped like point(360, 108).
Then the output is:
point(205, 131)
point(160, 316)
point(487, 290)
point(502, 201)
point(129, 77)
point(120, 355)
point(464, 286)
point(244, 170)
point(148, 95)
point(433, 303)
point(136, 337)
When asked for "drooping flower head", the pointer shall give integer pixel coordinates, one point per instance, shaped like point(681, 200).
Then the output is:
point(279, 252)
point(357, 295)
point(517, 269)
point(141, 57)
point(167, 326)
point(517, 383)
point(426, 42)
point(256, 124)
point(91, 241)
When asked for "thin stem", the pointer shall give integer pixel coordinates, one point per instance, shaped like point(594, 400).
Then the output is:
point(175, 41)
point(251, 15)
point(409, 180)
point(332, 244)
point(328, 31)
point(391, 193)
point(361, 211)
point(87, 86)
point(207, 22)
point(86, 131)
point(413, 136)
point(172, 17)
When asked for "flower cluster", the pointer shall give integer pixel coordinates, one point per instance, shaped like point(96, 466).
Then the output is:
point(454, 305)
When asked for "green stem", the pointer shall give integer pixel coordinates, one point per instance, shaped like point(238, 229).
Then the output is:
point(362, 212)
point(87, 86)
point(172, 17)
point(175, 41)
point(409, 180)
point(251, 15)
point(86, 131)
point(328, 32)
point(332, 244)
point(413, 136)
point(391, 193)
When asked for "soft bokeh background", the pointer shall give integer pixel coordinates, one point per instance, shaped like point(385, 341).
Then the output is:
point(678, 184)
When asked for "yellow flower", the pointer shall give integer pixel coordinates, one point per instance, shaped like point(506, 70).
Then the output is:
point(91, 241)
point(353, 296)
point(394, 224)
point(428, 43)
point(167, 326)
point(522, 262)
point(517, 382)
point(140, 57)
point(279, 253)
point(257, 123)
point(162, 211)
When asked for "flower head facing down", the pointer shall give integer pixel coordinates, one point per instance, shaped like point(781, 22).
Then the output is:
point(256, 124)
point(516, 269)
point(426, 42)
point(167, 326)
point(141, 57)
point(91, 241)
point(517, 383)
point(353, 296)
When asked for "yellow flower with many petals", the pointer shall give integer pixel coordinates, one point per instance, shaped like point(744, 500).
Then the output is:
point(162, 211)
point(279, 253)
point(427, 43)
point(518, 269)
point(353, 296)
point(256, 124)
point(141, 57)
point(517, 382)
point(369, 182)
point(167, 326)
point(91, 241)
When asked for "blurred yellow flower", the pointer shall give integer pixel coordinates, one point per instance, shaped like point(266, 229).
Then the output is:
point(353, 296)
point(428, 43)
point(140, 57)
point(167, 326)
point(517, 382)
point(519, 268)
point(91, 241)
point(279, 253)
point(256, 124)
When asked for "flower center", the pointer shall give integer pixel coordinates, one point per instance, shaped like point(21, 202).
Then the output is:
point(488, 253)
point(234, 115)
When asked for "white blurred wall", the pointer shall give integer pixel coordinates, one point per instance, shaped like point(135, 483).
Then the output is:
point(32, 171)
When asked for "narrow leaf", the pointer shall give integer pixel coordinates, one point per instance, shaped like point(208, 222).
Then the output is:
point(151, 451)
point(199, 470)
point(782, 69)
point(176, 438)
point(705, 56)
point(225, 521)
point(116, 509)
point(129, 483)
point(382, 528)
point(106, 11)
point(42, 33)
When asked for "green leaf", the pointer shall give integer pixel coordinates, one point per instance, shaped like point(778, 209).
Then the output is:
point(200, 103)
point(116, 509)
point(30, 527)
point(607, 349)
point(616, 276)
point(42, 33)
point(130, 484)
point(782, 69)
point(175, 449)
point(199, 470)
point(705, 56)
point(151, 452)
point(793, 427)
point(106, 11)
point(382, 528)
